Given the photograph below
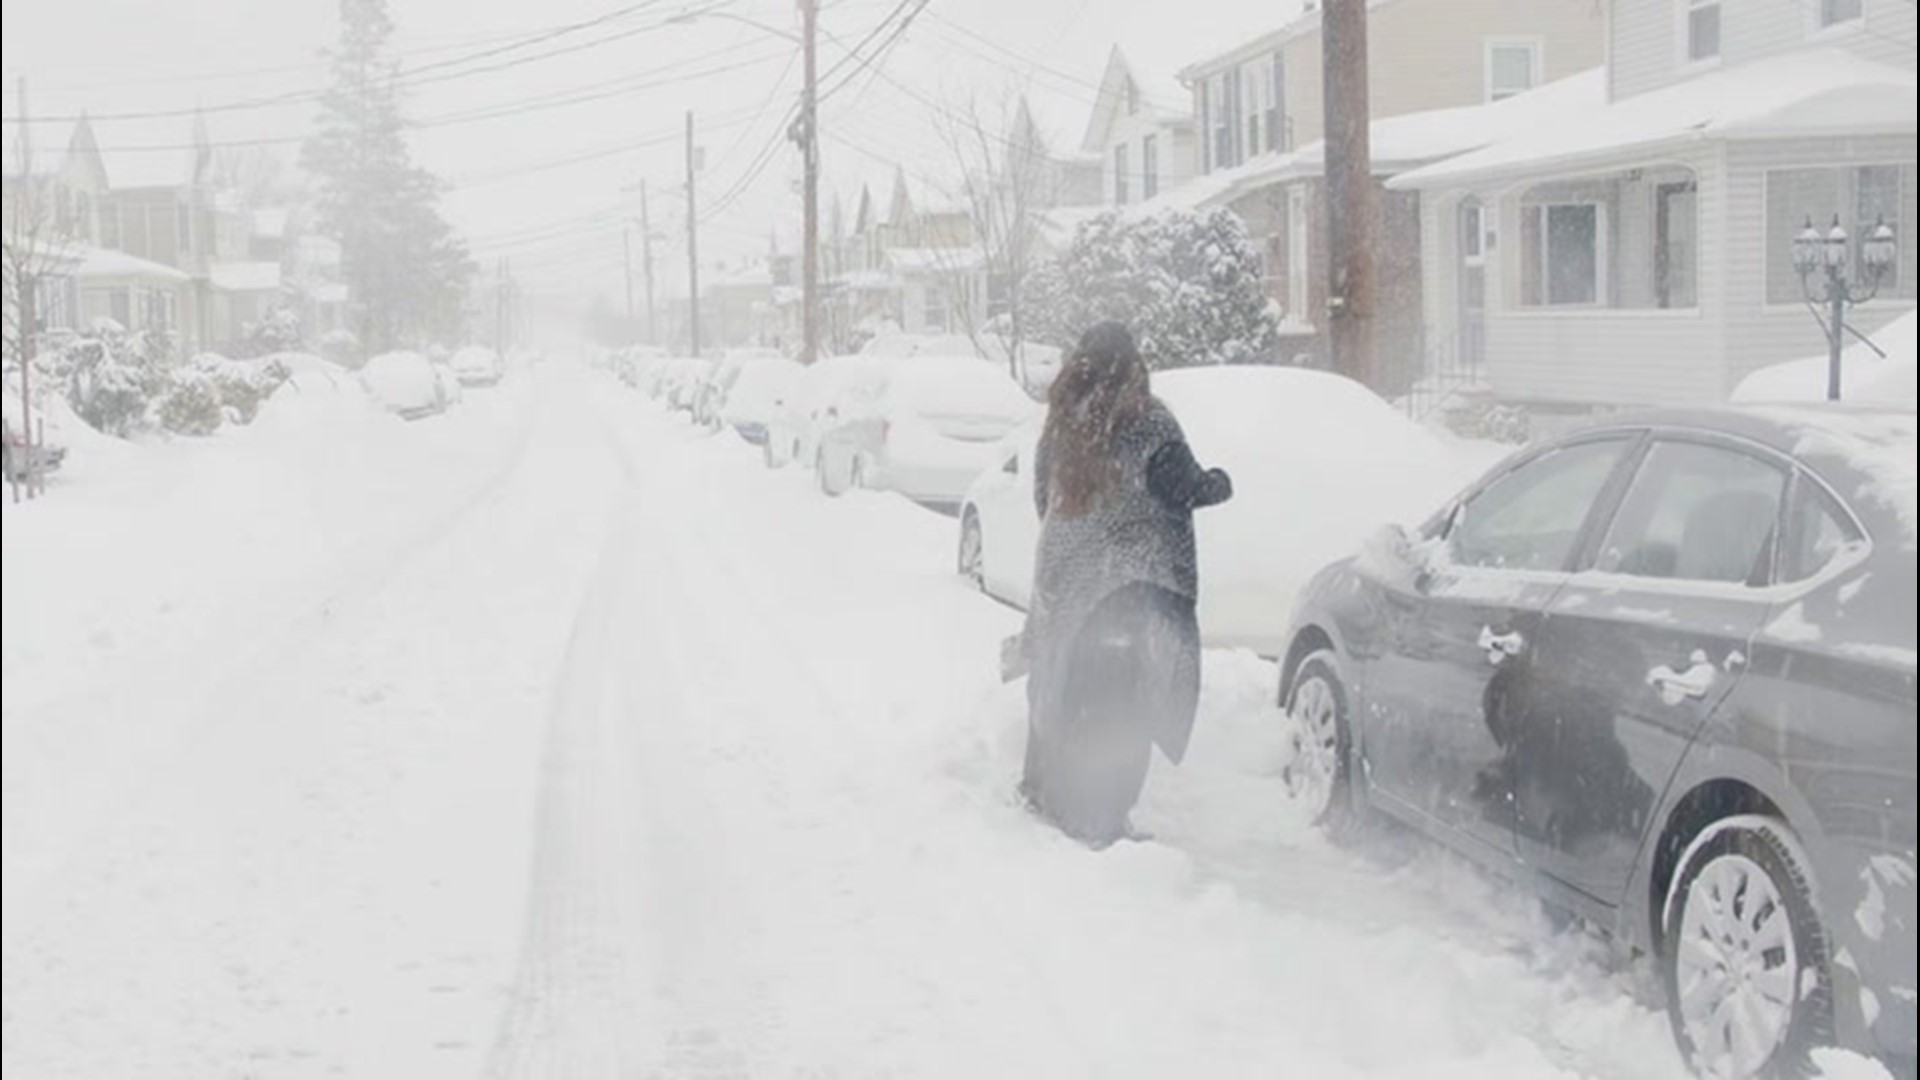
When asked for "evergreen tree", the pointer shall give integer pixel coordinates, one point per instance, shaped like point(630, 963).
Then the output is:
point(406, 271)
point(1186, 283)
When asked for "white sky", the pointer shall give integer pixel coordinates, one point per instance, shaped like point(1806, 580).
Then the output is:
point(514, 191)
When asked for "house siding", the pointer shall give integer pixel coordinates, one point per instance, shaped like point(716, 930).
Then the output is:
point(1759, 334)
point(1647, 46)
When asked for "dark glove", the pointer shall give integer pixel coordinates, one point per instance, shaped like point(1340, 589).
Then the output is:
point(1217, 489)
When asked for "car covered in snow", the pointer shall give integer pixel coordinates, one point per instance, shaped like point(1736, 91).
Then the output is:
point(718, 380)
point(1661, 670)
point(477, 365)
point(793, 429)
point(758, 391)
point(406, 383)
point(925, 428)
point(1318, 463)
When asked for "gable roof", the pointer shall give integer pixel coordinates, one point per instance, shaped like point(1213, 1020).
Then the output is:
point(1121, 82)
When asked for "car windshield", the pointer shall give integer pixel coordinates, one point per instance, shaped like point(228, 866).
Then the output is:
point(959, 539)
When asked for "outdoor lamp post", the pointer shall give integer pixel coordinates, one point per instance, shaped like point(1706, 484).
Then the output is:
point(1824, 255)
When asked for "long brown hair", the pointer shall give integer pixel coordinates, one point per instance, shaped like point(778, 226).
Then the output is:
point(1102, 387)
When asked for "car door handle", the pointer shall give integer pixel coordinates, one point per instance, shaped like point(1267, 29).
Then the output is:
point(1499, 647)
point(1675, 687)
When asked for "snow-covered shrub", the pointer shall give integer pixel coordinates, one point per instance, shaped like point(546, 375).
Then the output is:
point(191, 403)
point(112, 377)
point(1493, 420)
point(1186, 282)
point(241, 385)
point(279, 331)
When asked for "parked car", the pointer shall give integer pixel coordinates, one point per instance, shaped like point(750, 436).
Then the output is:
point(477, 365)
point(758, 391)
point(680, 385)
point(1661, 670)
point(448, 383)
point(1318, 463)
point(710, 399)
point(793, 430)
point(925, 429)
point(406, 383)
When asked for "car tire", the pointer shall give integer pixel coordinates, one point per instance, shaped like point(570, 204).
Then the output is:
point(1320, 771)
point(972, 559)
point(1744, 951)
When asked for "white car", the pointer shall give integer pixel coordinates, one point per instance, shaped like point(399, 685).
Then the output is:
point(926, 431)
point(477, 365)
point(757, 391)
point(711, 398)
point(451, 391)
point(1318, 463)
point(793, 431)
point(406, 383)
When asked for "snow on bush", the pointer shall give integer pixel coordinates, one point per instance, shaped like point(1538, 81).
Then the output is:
point(241, 385)
point(278, 332)
point(1186, 282)
point(112, 378)
point(190, 404)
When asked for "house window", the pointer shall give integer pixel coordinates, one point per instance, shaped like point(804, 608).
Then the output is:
point(1512, 67)
point(1120, 175)
point(1277, 135)
point(120, 307)
point(1256, 83)
point(1206, 125)
point(1676, 244)
point(1561, 253)
point(1473, 236)
point(53, 302)
point(1297, 264)
point(1862, 196)
point(936, 309)
point(1149, 166)
point(1226, 94)
point(1702, 29)
point(184, 216)
point(1133, 98)
point(1835, 12)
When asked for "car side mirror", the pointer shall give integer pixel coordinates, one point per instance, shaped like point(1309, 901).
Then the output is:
point(1012, 467)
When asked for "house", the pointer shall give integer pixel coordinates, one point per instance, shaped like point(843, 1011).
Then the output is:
point(912, 261)
point(737, 308)
point(1141, 131)
point(1638, 251)
point(1262, 100)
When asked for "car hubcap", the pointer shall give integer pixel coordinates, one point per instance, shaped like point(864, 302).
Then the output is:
point(1316, 744)
point(1735, 967)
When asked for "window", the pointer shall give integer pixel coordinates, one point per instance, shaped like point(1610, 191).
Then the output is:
point(1257, 83)
point(1297, 263)
point(1561, 254)
point(1120, 175)
point(1473, 234)
point(1149, 166)
point(1861, 196)
point(53, 303)
point(936, 310)
point(1697, 513)
point(1226, 96)
point(1133, 97)
point(120, 307)
point(184, 215)
point(1817, 531)
point(1530, 518)
point(1206, 125)
point(1675, 255)
point(1278, 138)
point(1512, 67)
point(1702, 30)
point(1835, 12)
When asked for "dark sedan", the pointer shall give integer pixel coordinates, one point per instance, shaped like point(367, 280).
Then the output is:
point(1660, 669)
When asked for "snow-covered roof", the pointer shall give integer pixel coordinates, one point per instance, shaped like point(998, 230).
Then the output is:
point(105, 262)
point(271, 223)
point(245, 276)
point(1822, 91)
point(935, 260)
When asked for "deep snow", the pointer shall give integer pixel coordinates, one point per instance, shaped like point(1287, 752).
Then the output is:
point(551, 737)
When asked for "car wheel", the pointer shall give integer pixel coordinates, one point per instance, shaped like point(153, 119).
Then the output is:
point(1749, 989)
point(1318, 775)
point(972, 550)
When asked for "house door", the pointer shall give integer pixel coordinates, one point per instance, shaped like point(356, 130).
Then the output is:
point(1676, 223)
point(1473, 286)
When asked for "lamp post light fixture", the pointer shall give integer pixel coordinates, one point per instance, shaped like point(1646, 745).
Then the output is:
point(1823, 256)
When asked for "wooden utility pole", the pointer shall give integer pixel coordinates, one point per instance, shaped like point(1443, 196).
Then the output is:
point(33, 225)
point(626, 258)
point(810, 149)
point(1353, 215)
point(646, 257)
point(693, 251)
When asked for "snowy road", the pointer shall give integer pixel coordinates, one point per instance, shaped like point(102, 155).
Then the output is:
point(609, 753)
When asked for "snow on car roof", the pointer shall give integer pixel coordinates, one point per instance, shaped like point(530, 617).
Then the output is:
point(958, 383)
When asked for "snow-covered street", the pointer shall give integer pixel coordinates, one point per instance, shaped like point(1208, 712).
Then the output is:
point(555, 738)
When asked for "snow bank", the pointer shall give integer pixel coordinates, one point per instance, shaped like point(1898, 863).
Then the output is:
point(1318, 463)
point(404, 381)
point(1864, 374)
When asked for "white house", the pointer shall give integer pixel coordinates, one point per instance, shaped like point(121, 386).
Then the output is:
point(1141, 131)
point(1639, 251)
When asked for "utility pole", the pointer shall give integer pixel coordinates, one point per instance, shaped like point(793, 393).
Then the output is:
point(646, 256)
point(810, 149)
point(27, 312)
point(693, 250)
point(1353, 216)
point(626, 258)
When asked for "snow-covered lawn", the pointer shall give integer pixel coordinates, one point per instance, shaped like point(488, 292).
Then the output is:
point(553, 738)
